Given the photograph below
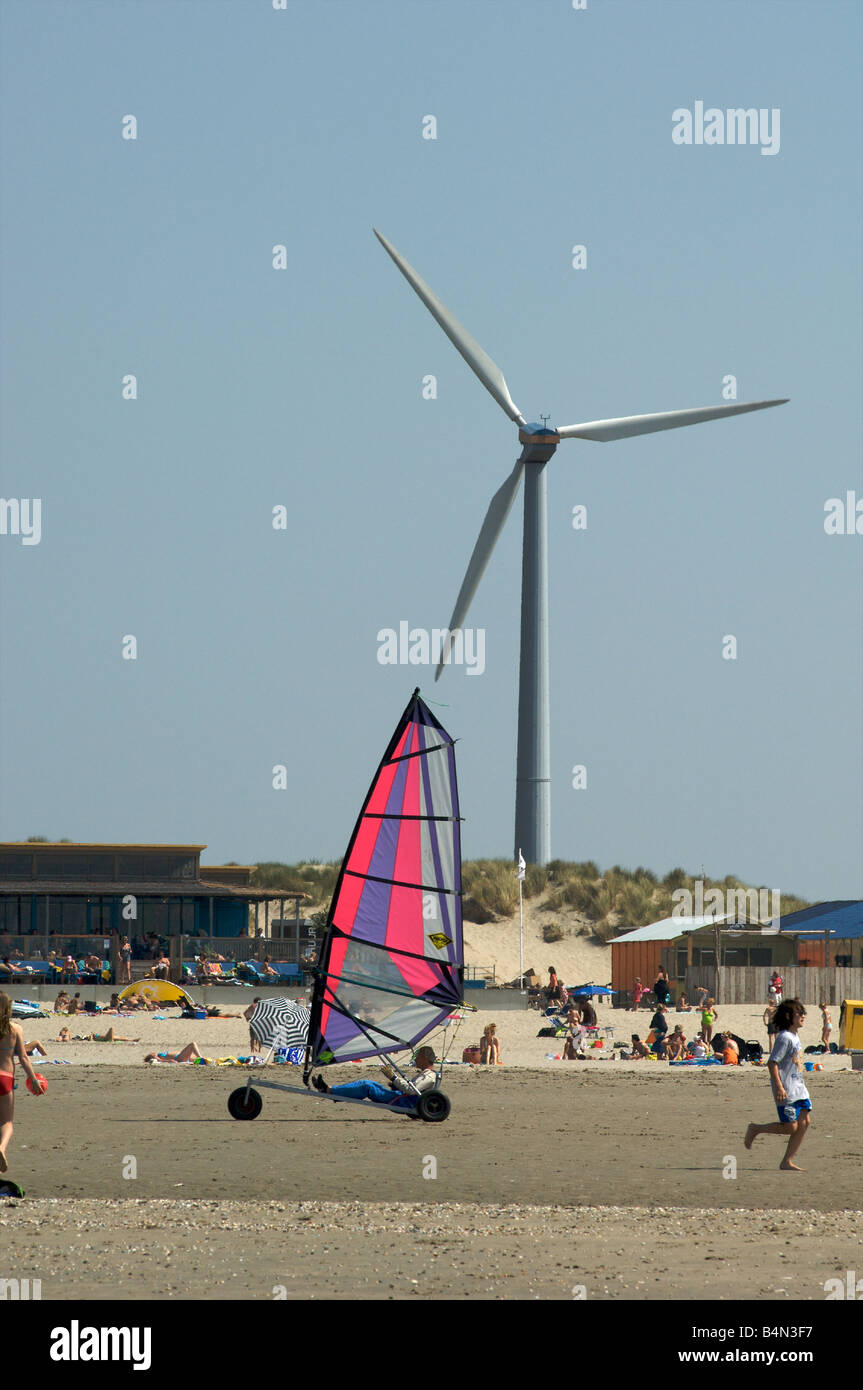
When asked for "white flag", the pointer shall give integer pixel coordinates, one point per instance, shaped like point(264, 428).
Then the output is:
point(521, 867)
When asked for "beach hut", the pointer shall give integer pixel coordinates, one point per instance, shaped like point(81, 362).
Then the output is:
point(639, 953)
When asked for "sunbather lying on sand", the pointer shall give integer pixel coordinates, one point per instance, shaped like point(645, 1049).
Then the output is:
point(65, 1037)
point(36, 1047)
point(189, 1054)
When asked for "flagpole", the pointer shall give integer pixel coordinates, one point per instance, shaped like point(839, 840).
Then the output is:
point(520, 922)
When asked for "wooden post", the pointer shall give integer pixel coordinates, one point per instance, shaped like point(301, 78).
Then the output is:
point(717, 946)
point(115, 958)
point(175, 950)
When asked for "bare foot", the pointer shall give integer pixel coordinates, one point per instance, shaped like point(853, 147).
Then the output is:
point(789, 1167)
point(3, 1164)
point(750, 1136)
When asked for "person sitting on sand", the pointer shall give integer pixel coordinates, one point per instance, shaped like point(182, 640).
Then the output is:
point(405, 1097)
point(639, 1050)
point(588, 1013)
point(730, 1050)
point(74, 1004)
point(683, 1005)
point(36, 1048)
point(188, 1054)
point(161, 967)
point(659, 1028)
point(61, 1003)
point(676, 1044)
point(489, 1046)
point(697, 1048)
point(575, 1035)
point(573, 1048)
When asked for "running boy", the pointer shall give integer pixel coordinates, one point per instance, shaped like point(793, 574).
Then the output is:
point(791, 1096)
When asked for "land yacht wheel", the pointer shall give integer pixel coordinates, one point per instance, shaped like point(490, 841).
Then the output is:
point(433, 1107)
point(245, 1105)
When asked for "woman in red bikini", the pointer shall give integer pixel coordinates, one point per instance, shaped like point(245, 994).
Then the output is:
point(11, 1049)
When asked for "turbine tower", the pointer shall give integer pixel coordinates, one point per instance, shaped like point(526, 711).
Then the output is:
point(538, 441)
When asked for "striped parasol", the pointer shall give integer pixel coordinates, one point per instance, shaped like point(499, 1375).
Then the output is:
point(280, 1023)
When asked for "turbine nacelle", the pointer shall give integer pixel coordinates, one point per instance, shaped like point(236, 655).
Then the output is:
point(539, 443)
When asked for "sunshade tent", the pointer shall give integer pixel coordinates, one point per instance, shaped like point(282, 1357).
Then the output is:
point(280, 1023)
point(157, 991)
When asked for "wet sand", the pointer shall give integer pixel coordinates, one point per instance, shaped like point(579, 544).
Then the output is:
point(339, 1201)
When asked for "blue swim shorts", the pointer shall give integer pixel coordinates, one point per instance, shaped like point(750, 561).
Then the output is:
point(789, 1110)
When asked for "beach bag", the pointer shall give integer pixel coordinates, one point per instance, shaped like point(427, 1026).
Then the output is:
point(472, 1055)
point(754, 1052)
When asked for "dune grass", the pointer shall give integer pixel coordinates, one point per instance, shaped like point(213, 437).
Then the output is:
point(609, 902)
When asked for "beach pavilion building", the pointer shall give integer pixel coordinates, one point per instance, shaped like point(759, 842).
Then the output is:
point(818, 952)
point(75, 898)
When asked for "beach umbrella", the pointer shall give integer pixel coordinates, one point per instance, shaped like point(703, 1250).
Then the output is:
point(280, 1023)
point(587, 990)
point(157, 991)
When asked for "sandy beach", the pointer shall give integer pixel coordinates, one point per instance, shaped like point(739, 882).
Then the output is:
point(622, 1180)
point(516, 1027)
point(546, 1176)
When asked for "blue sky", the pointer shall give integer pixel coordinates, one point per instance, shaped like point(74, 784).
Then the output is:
point(303, 387)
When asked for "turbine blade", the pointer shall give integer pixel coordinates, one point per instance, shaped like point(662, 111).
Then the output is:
point(498, 510)
point(629, 425)
point(479, 362)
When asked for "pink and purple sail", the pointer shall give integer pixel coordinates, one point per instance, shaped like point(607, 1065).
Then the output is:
point(392, 962)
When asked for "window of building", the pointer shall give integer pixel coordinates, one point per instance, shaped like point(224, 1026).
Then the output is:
point(157, 867)
point(16, 865)
point(760, 955)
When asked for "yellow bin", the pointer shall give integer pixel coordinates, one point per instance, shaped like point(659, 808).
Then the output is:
point(851, 1024)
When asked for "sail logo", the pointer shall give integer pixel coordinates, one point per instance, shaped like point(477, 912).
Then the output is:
point(735, 126)
point(417, 646)
point(77, 1343)
point(741, 905)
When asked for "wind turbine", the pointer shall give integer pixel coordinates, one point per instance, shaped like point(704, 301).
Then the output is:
point(533, 787)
